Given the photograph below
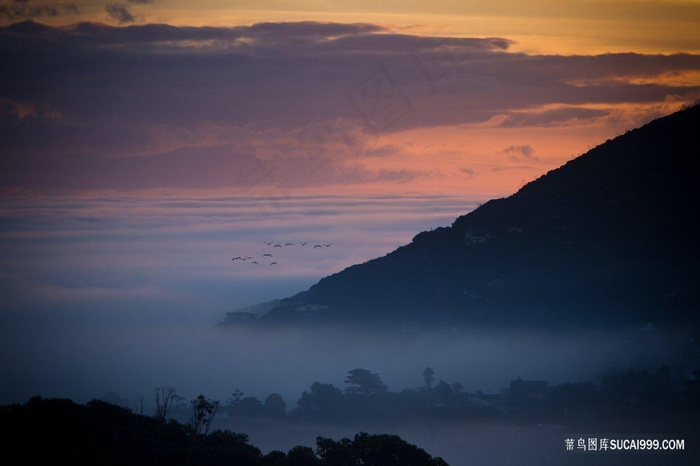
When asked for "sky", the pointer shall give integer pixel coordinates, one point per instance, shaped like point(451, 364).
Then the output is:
point(145, 143)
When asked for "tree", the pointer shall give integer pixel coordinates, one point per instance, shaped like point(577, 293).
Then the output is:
point(274, 458)
point(428, 376)
point(363, 382)
point(236, 397)
point(377, 450)
point(203, 413)
point(275, 405)
point(227, 448)
point(337, 453)
point(138, 405)
point(442, 393)
point(324, 401)
point(636, 388)
point(302, 456)
point(165, 398)
point(249, 406)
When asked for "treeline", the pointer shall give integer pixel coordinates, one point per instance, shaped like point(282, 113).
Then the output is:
point(180, 433)
point(60, 431)
point(366, 398)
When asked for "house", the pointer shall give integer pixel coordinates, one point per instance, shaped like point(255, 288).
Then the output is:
point(471, 237)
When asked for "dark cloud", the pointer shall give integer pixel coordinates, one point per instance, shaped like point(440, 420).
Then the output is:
point(308, 30)
point(151, 90)
point(25, 9)
point(397, 43)
point(190, 168)
point(120, 13)
point(555, 117)
point(164, 38)
point(521, 152)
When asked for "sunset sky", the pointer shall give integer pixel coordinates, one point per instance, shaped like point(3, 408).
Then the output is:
point(169, 97)
point(111, 111)
point(215, 123)
point(145, 143)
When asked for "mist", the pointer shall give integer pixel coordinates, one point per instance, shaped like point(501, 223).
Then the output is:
point(111, 299)
point(82, 355)
point(122, 355)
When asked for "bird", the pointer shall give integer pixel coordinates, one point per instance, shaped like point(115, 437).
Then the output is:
point(237, 258)
point(304, 243)
point(273, 263)
point(255, 262)
point(278, 245)
point(289, 244)
point(328, 245)
point(268, 242)
point(267, 255)
point(317, 246)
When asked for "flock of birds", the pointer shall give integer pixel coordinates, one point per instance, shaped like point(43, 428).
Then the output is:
point(276, 245)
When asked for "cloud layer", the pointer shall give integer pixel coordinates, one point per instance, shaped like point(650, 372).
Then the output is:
point(286, 105)
point(72, 253)
point(25, 9)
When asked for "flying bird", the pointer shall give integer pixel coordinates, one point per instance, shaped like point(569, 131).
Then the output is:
point(317, 246)
point(304, 243)
point(278, 245)
point(289, 244)
point(273, 263)
point(328, 245)
point(255, 262)
point(268, 242)
point(267, 255)
point(237, 258)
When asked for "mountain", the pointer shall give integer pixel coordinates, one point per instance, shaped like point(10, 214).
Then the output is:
point(609, 238)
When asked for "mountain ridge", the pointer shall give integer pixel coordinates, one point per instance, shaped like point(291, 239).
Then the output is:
point(607, 238)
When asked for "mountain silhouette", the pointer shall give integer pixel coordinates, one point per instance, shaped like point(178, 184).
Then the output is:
point(609, 238)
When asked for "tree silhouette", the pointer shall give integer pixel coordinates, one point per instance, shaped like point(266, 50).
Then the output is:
point(165, 399)
point(203, 413)
point(249, 406)
point(428, 376)
point(376, 450)
point(323, 401)
point(236, 397)
point(302, 456)
point(275, 405)
point(363, 382)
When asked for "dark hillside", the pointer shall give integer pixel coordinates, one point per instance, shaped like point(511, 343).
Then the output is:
point(60, 431)
point(608, 238)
